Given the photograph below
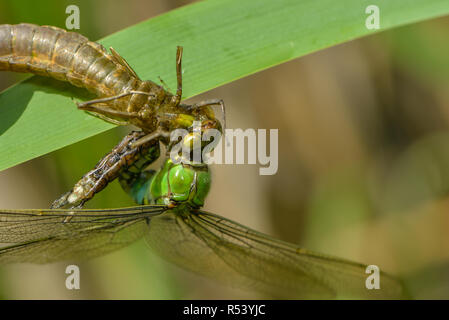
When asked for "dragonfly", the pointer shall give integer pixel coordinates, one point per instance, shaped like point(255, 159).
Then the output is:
point(122, 97)
point(169, 217)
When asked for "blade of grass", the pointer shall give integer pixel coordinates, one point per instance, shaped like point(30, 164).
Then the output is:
point(223, 40)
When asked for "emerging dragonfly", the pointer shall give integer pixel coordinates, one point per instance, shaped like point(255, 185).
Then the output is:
point(123, 98)
point(169, 215)
point(172, 223)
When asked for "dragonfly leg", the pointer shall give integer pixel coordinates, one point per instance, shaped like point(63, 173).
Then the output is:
point(107, 112)
point(177, 98)
point(123, 156)
point(209, 103)
point(107, 119)
point(112, 98)
point(100, 107)
point(152, 136)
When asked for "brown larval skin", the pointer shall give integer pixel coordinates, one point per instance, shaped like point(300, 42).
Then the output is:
point(69, 56)
point(123, 98)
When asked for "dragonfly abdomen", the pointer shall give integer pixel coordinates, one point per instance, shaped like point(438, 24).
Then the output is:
point(68, 56)
point(123, 160)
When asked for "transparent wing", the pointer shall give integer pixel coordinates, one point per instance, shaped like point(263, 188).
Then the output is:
point(222, 249)
point(43, 236)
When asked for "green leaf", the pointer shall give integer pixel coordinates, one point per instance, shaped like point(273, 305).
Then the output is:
point(223, 40)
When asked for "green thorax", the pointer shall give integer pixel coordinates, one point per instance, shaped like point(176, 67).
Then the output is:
point(173, 185)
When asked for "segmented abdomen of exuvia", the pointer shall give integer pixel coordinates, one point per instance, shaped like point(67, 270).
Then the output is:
point(69, 56)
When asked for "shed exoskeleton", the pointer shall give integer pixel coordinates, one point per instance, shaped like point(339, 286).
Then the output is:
point(123, 98)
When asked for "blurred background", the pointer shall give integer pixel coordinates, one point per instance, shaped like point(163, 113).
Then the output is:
point(363, 162)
